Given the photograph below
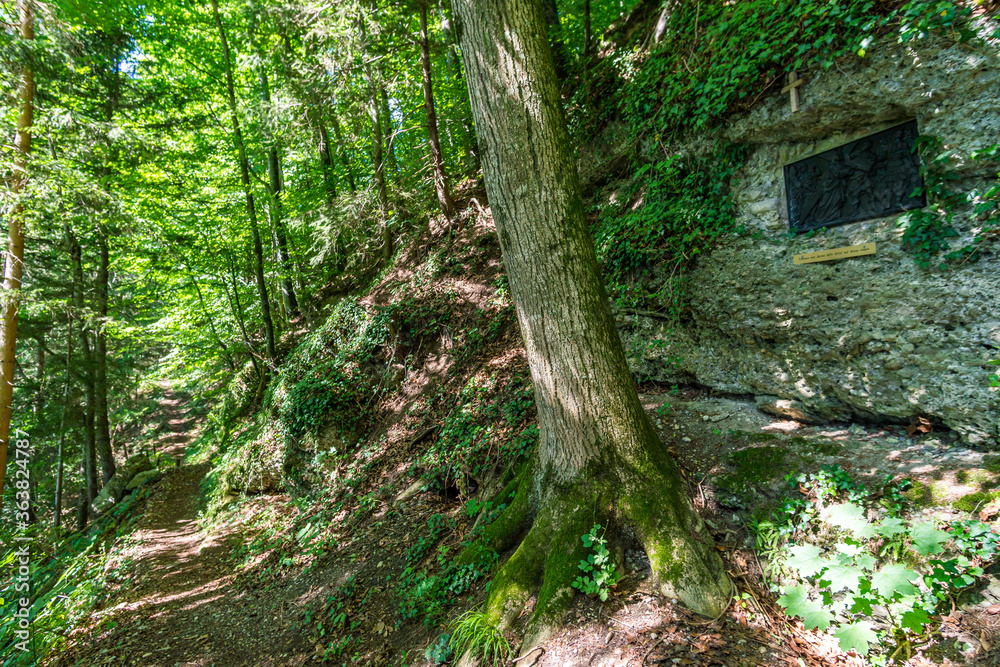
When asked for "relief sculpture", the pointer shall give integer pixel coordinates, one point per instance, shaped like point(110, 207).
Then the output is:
point(869, 178)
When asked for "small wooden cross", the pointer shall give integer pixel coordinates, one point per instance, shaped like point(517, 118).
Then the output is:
point(793, 87)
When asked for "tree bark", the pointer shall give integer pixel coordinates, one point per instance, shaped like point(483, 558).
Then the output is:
point(597, 448)
point(258, 249)
point(87, 369)
point(326, 160)
point(14, 265)
point(342, 150)
point(378, 159)
point(587, 37)
point(102, 424)
point(437, 158)
point(275, 186)
point(63, 424)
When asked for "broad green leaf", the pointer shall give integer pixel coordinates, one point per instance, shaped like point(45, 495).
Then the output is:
point(797, 603)
point(865, 561)
point(860, 604)
point(927, 539)
point(805, 558)
point(848, 549)
point(841, 577)
point(892, 526)
point(915, 620)
point(894, 580)
point(856, 636)
point(850, 517)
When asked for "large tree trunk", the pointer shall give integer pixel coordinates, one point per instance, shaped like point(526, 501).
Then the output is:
point(14, 266)
point(258, 249)
point(86, 371)
point(437, 158)
point(597, 451)
point(102, 424)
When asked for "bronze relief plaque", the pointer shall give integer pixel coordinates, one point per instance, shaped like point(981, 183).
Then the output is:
point(869, 178)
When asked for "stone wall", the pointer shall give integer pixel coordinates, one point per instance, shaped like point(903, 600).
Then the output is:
point(871, 337)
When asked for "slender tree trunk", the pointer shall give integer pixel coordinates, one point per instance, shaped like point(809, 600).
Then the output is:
point(211, 325)
point(379, 162)
point(258, 249)
point(63, 424)
point(437, 158)
point(14, 266)
point(342, 150)
point(587, 36)
point(40, 363)
point(87, 370)
point(559, 55)
point(389, 134)
point(597, 447)
point(326, 161)
point(237, 307)
point(275, 186)
point(102, 424)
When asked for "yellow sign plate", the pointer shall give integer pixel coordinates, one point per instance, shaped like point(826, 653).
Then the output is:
point(835, 253)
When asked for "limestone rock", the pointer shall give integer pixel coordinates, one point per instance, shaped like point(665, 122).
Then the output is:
point(116, 487)
point(142, 478)
point(871, 337)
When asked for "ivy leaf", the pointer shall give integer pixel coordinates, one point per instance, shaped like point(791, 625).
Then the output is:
point(813, 614)
point(805, 558)
point(894, 580)
point(892, 526)
point(915, 619)
point(856, 636)
point(841, 577)
point(850, 517)
point(927, 539)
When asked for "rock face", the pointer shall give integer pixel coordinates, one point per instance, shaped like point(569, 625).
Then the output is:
point(116, 487)
point(871, 337)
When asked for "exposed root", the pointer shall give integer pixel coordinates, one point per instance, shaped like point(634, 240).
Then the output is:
point(644, 494)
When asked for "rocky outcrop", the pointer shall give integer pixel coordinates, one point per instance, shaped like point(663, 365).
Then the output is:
point(118, 485)
point(871, 337)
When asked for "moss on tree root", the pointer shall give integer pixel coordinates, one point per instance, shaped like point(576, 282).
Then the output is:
point(644, 495)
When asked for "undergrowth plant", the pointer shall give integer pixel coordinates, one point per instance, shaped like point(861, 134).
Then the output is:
point(927, 230)
point(599, 572)
point(874, 583)
point(473, 632)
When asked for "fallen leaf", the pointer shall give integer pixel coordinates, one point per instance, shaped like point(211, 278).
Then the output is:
point(994, 609)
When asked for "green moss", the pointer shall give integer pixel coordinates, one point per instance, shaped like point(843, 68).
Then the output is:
point(971, 502)
point(919, 494)
point(992, 462)
point(754, 467)
point(761, 437)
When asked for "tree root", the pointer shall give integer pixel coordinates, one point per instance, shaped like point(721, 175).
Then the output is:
point(642, 497)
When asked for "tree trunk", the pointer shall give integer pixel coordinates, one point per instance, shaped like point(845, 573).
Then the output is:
point(275, 186)
point(87, 369)
point(388, 134)
point(437, 158)
point(342, 150)
point(211, 325)
point(559, 55)
point(379, 163)
point(102, 424)
point(63, 425)
point(258, 249)
point(14, 265)
point(597, 450)
point(326, 160)
point(587, 37)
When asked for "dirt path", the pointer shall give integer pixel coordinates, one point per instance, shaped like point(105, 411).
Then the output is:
point(183, 607)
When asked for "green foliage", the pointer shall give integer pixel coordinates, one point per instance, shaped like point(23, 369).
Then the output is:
point(927, 230)
point(673, 211)
point(859, 575)
point(475, 633)
point(440, 652)
point(599, 573)
point(718, 57)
